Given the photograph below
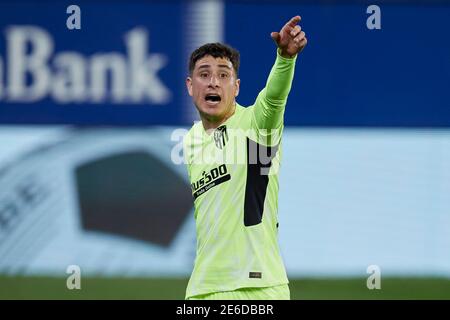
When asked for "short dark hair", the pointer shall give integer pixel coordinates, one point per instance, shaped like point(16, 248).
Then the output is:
point(216, 50)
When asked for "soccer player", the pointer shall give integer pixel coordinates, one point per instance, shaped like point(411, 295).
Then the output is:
point(236, 202)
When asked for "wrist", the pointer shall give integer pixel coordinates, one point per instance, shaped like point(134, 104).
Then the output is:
point(284, 55)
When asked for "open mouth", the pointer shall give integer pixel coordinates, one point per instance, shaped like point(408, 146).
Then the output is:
point(213, 98)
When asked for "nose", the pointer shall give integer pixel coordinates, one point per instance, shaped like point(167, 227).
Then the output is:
point(214, 82)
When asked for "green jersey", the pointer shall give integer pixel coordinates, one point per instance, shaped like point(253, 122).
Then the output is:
point(234, 178)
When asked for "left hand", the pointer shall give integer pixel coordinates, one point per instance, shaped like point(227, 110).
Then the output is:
point(291, 39)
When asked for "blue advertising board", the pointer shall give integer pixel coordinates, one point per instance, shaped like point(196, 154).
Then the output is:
point(127, 64)
point(349, 75)
point(124, 66)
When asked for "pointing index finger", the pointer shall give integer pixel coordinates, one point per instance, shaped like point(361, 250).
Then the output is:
point(293, 22)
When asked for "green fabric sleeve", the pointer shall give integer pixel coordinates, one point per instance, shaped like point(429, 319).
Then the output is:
point(269, 105)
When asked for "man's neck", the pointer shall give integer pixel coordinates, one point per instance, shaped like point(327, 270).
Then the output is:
point(209, 124)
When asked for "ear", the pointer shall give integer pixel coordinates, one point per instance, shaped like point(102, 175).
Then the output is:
point(189, 85)
point(237, 84)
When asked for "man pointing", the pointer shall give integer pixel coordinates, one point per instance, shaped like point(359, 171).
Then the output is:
point(236, 203)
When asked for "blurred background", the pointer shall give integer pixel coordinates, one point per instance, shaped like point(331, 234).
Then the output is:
point(91, 120)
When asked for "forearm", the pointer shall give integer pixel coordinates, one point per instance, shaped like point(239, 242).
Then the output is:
point(269, 106)
point(280, 80)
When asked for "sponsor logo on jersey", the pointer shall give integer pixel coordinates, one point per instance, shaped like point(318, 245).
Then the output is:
point(210, 179)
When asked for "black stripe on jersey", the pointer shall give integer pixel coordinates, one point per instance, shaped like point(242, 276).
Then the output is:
point(259, 158)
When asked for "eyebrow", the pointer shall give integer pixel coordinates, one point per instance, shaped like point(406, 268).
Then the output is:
point(204, 66)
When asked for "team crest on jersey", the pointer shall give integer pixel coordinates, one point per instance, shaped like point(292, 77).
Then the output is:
point(221, 136)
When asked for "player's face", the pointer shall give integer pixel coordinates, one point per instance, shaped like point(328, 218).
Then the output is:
point(213, 87)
